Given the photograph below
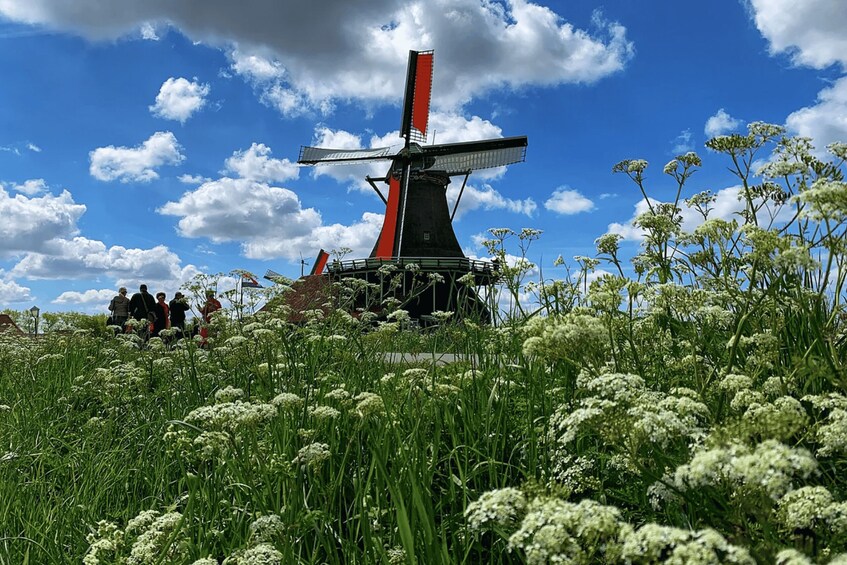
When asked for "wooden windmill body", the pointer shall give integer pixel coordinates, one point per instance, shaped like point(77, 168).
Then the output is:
point(417, 235)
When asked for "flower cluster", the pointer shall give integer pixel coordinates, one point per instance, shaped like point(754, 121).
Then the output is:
point(576, 338)
point(557, 531)
point(631, 422)
point(771, 468)
point(497, 508)
point(654, 543)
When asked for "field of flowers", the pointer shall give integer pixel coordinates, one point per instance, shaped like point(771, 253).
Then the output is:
point(691, 408)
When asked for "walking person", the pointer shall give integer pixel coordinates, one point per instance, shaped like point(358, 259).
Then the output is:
point(142, 306)
point(178, 307)
point(119, 307)
point(211, 306)
point(162, 321)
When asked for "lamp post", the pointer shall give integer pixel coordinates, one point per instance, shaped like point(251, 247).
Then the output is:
point(34, 311)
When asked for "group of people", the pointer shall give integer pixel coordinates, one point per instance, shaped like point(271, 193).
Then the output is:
point(157, 313)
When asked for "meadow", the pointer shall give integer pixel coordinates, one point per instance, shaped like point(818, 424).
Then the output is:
point(687, 406)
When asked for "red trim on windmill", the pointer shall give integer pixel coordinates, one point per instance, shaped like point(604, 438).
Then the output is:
point(385, 244)
point(320, 262)
point(418, 94)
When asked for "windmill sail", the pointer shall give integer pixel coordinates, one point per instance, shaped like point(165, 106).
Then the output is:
point(418, 95)
point(456, 158)
point(324, 156)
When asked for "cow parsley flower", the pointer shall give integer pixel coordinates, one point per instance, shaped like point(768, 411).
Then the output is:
point(832, 436)
point(236, 340)
point(369, 404)
point(556, 531)
point(287, 401)
point(653, 543)
point(745, 398)
point(312, 455)
point(228, 394)
point(792, 557)
point(734, 382)
point(502, 508)
point(232, 416)
point(803, 509)
point(324, 412)
point(267, 528)
point(782, 419)
point(159, 539)
point(212, 446)
point(771, 467)
point(262, 554)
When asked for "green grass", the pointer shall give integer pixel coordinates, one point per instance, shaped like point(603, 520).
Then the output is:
point(694, 411)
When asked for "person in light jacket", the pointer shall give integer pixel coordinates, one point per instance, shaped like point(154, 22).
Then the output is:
point(119, 307)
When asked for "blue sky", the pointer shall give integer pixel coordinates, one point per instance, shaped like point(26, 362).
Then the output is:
point(151, 141)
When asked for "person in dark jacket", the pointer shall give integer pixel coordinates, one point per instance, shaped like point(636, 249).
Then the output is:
point(178, 307)
point(142, 304)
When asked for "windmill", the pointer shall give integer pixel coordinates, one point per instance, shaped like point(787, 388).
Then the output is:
point(417, 228)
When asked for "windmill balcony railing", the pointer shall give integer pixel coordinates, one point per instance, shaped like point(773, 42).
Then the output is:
point(424, 264)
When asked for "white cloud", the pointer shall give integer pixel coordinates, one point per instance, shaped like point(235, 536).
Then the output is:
point(357, 49)
point(720, 124)
point(257, 164)
point(812, 31)
point(682, 143)
point(486, 198)
point(360, 237)
point(148, 32)
point(29, 223)
point(255, 67)
point(193, 179)
point(239, 209)
point(86, 297)
point(137, 163)
point(12, 292)
point(81, 257)
point(179, 98)
point(33, 147)
point(826, 121)
point(566, 202)
point(31, 187)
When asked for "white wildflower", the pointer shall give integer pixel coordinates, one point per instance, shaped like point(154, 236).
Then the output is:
point(804, 508)
point(324, 412)
point(228, 394)
point(501, 507)
point(792, 557)
point(733, 383)
point(832, 436)
point(312, 455)
point(287, 401)
point(369, 404)
point(267, 528)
